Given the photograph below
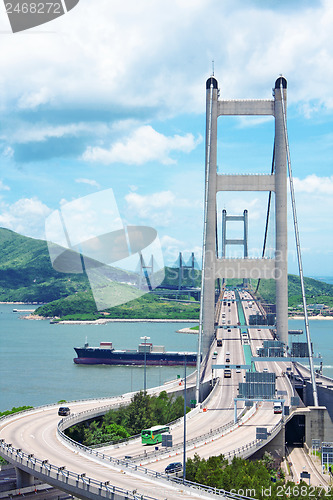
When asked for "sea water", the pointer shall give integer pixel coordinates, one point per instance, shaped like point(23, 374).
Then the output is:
point(36, 357)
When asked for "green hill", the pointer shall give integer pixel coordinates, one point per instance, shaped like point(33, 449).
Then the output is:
point(82, 307)
point(315, 291)
point(26, 273)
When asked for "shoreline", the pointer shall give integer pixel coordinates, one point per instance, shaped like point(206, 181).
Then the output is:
point(188, 330)
point(312, 317)
point(103, 321)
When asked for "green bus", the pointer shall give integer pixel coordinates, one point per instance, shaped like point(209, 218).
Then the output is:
point(154, 434)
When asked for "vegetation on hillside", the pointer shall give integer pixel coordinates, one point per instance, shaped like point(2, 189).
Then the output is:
point(82, 307)
point(190, 277)
point(260, 479)
point(26, 275)
point(316, 291)
point(14, 410)
point(143, 412)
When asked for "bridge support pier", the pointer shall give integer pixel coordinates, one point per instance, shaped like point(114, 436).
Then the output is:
point(23, 479)
point(318, 425)
point(276, 447)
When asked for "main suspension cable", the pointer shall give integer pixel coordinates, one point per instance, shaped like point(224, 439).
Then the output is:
point(299, 256)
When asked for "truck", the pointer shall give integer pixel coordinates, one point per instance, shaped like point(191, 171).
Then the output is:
point(277, 407)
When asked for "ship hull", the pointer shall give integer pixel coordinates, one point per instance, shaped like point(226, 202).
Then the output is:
point(109, 357)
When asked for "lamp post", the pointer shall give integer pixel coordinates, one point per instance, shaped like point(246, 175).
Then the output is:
point(145, 368)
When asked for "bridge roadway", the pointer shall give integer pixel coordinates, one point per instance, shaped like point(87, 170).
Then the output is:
point(35, 432)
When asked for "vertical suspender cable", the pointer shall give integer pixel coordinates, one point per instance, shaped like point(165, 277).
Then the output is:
point(209, 135)
point(299, 256)
point(217, 251)
point(267, 216)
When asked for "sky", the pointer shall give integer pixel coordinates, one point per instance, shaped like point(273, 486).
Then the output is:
point(112, 96)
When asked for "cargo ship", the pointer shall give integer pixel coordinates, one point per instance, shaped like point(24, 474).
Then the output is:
point(146, 353)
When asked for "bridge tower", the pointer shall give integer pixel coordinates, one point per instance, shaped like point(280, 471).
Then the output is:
point(146, 271)
point(214, 267)
point(182, 266)
point(241, 241)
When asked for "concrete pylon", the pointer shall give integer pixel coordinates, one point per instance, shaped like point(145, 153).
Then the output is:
point(277, 182)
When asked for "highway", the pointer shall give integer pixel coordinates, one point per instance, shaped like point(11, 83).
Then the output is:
point(35, 432)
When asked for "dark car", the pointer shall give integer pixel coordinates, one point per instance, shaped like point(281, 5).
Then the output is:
point(64, 411)
point(173, 467)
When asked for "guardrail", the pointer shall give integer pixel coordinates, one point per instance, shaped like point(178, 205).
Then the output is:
point(198, 440)
point(130, 463)
point(50, 472)
point(53, 474)
point(74, 419)
point(145, 471)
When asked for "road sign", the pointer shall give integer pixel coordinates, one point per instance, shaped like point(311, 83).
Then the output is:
point(258, 384)
point(305, 475)
point(261, 433)
point(167, 440)
point(326, 454)
point(193, 402)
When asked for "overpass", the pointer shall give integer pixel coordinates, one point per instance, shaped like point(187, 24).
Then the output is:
point(35, 443)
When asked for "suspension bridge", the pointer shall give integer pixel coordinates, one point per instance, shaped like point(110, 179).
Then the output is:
point(246, 367)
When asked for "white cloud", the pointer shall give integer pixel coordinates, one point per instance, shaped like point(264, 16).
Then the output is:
point(158, 54)
point(91, 182)
point(8, 152)
point(171, 248)
point(160, 209)
point(156, 208)
point(143, 145)
point(3, 186)
point(25, 216)
point(34, 99)
point(318, 186)
point(25, 133)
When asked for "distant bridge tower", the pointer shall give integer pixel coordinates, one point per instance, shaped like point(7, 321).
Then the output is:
point(183, 266)
point(241, 241)
point(146, 271)
point(213, 267)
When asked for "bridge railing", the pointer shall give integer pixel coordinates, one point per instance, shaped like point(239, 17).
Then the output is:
point(54, 474)
point(129, 464)
point(190, 444)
